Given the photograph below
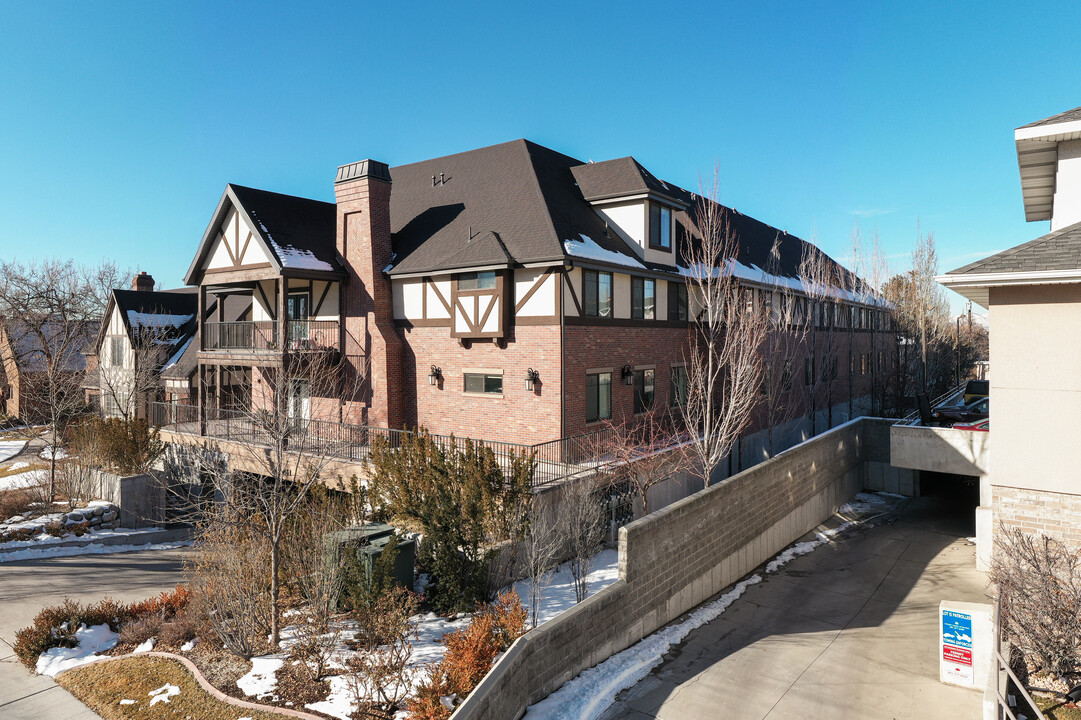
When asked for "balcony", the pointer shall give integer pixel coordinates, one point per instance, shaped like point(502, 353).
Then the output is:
point(351, 444)
point(263, 336)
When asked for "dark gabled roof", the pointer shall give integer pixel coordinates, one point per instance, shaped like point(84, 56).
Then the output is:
point(299, 233)
point(1062, 117)
point(513, 203)
point(296, 230)
point(622, 177)
point(183, 361)
point(70, 341)
point(156, 310)
point(1059, 250)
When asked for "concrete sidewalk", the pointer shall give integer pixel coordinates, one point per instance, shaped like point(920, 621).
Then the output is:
point(848, 631)
point(29, 585)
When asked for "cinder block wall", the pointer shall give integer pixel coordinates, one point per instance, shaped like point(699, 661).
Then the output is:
point(676, 558)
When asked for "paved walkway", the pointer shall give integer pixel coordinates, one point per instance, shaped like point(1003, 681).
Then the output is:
point(27, 586)
point(848, 631)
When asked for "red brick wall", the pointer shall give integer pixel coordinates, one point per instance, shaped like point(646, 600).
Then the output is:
point(518, 416)
point(603, 346)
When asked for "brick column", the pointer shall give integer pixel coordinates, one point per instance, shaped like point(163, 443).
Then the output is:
point(371, 341)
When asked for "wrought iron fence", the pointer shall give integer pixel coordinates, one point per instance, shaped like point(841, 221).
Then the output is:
point(551, 460)
point(250, 335)
point(312, 335)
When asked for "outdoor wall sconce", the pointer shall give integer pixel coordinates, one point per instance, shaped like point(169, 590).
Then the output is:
point(628, 375)
point(434, 375)
point(532, 377)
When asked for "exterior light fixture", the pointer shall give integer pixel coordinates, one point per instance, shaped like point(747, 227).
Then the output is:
point(434, 375)
point(532, 377)
point(628, 375)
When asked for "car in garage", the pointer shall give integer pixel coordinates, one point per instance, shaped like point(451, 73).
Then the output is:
point(981, 426)
point(976, 389)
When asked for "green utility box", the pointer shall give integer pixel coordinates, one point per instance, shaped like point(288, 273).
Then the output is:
point(368, 541)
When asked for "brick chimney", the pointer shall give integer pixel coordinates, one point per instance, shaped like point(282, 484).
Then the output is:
point(143, 283)
point(371, 343)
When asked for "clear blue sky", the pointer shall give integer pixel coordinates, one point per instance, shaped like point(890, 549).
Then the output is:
point(120, 123)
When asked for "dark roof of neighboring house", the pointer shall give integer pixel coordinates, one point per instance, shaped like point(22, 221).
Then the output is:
point(156, 310)
point(183, 362)
point(1062, 117)
point(27, 346)
point(295, 229)
point(618, 178)
point(1058, 250)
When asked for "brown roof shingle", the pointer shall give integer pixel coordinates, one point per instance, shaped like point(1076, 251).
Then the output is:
point(1059, 250)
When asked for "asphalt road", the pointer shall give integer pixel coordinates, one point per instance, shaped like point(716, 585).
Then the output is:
point(29, 585)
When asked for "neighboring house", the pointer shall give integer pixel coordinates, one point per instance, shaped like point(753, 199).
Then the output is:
point(144, 331)
point(32, 354)
point(510, 293)
point(1033, 294)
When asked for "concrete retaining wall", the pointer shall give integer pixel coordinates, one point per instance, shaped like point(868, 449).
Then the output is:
point(141, 498)
point(680, 556)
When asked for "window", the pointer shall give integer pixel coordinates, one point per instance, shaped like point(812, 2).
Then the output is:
point(116, 351)
point(643, 390)
point(598, 396)
point(677, 301)
point(484, 383)
point(643, 293)
point(679, 386)
point(477, 281)
point(596, 293)
point(660, 227)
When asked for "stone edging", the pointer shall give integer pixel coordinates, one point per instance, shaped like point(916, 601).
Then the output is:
point(105, 537)
point(205, 684)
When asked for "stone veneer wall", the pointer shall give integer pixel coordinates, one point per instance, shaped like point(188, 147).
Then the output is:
point(680, 556)
point(1038, 512)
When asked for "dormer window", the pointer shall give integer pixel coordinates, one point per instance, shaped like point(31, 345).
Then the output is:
point(476, 281)
point(660, 227)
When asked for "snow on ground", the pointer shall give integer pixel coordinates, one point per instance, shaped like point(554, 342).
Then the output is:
point(261, 680)
point(163, 693)
point(92, 640)
point(556, 597)
point(146, 646)
point(10, 448)
point(18, 466)
point(91, 549)
point(588, 695)
point(22, 480)
point(48, 451)
point(41, 539)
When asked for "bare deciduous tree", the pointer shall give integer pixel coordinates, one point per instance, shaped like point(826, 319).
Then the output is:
point(543, 544)
point(871, 267)
point(783, 345)
point(724, 363)
point(50, 311)
point(822, 284)
point(135, 383)
point(581, 516)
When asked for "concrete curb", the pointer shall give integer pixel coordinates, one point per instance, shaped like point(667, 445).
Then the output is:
point(107, 538)
point(205, 684)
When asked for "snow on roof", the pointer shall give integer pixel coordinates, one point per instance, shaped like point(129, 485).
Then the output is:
point(755, 274)
point(291, 257)
point(141, 320)
point(176, 356)
point(589, 250)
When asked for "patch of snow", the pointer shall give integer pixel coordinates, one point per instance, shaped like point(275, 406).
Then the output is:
point(588, 695)
point(47, 539)
point(189, 645)
point(157, 320)
point(22, 480)
point(146, 646)
point(163, 693)
point(48, 452)
point(92, 549)
point(447, 701)
point(18, 466)
point(261, 680)
point(125, 701)
point(587, 249)
point(559, 597)
point(10, 448)
point(176, 356)
point(92, 640)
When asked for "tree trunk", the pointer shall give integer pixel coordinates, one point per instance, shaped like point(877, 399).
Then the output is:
point(275, 630)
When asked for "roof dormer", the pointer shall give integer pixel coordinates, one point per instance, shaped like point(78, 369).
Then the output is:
point(639, 206)
point(1049, 158)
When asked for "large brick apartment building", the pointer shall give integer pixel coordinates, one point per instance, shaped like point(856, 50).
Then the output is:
point(509, 293)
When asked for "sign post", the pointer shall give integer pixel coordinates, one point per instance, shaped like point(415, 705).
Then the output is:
point(956, 643)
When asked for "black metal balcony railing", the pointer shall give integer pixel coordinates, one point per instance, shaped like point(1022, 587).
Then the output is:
point(262, 335)
point(552, 460)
